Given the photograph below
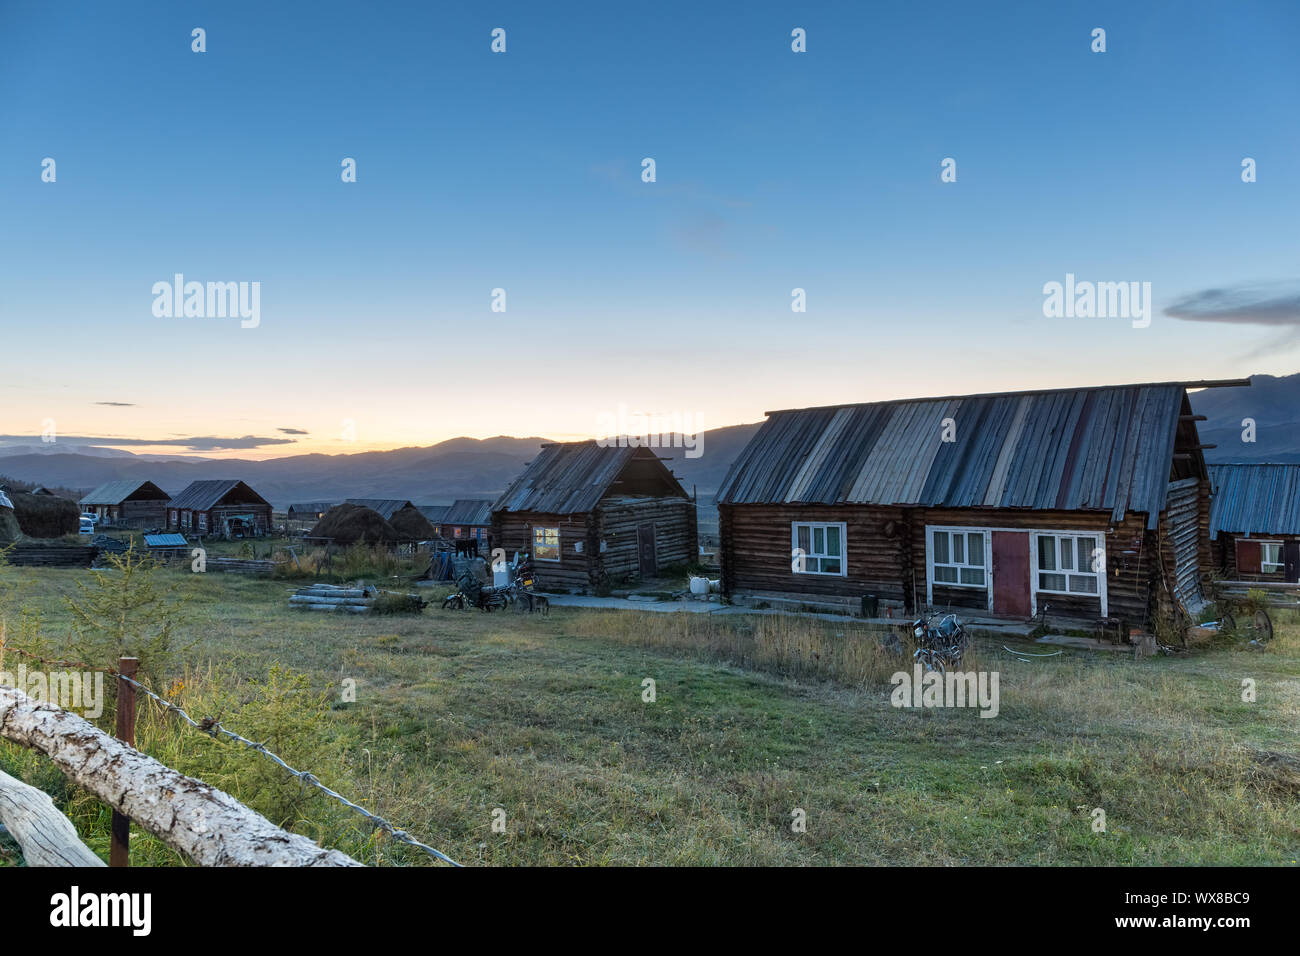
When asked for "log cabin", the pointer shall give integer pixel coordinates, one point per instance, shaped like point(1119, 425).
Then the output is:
point(467, 518)
point(1255, 521)
point(130, 503)
point(592, 516)
point(1092, 503)
point(222, 507)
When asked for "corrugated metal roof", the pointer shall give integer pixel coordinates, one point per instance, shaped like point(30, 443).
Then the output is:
point(1099, 449)
point(311, 507)
point(434, 513)
point(202, 495)
point(469, 512)
point(571, 477)
point(165, 540)
point(1254, 499)
point(387, 507)
point(115, 492)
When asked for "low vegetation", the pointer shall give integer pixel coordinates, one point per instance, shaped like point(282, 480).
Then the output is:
point(460, 715)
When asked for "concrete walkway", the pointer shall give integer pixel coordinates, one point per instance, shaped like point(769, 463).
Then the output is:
point(690, 607)
point(976, 627)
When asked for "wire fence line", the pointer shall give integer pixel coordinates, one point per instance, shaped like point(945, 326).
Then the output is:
point(212, 727)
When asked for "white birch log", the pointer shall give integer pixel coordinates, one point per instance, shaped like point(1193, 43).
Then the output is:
point(207, 825)
point(46, 836)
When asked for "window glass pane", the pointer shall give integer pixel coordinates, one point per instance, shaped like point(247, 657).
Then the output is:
point(804, 538)
point(1047, 553)
point(832, 540)
point(958, 549)
point(1086, 548)
point(546, 544)
point(945, 574)
point(819, 540)
point(975, 551)
point(1083, 584)
point(830, 565)
point(941, 547)
point(972, 576)
point(1051, 582)
point(1067, 554)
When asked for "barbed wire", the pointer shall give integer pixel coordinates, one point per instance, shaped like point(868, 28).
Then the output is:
point(212, 727)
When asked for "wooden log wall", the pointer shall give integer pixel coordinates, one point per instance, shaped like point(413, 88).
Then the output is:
point(573, 572)
point(756, 546)
point(1184, 535)
point(618, 519)
point(887, 550)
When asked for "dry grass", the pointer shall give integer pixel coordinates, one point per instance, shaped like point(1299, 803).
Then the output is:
point(460, 714)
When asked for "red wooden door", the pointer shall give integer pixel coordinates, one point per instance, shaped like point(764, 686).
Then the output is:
point(1011, 574)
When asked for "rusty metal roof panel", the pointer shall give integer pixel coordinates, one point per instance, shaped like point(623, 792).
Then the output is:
point(1103, 449)
point(1258, 499)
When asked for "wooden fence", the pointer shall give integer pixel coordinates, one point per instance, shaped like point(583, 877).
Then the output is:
point(206, 824)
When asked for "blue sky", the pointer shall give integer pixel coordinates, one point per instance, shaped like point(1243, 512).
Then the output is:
point(521, 170)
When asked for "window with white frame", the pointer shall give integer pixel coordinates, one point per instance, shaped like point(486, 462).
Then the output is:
point(1068, 563)
point(546, 544)
point(957, 558)
point(1270, 557)
point(817, 547)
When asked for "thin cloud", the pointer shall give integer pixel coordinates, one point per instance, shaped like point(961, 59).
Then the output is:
point(1274, 304)
point(291, 431)
point(191, 442)
point(118, 404)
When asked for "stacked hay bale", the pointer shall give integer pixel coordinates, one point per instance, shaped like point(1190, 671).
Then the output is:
point(355, 524)
point(410, 525)
point(45, 516)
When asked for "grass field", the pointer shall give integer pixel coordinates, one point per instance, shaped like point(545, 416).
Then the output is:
point(460, 714)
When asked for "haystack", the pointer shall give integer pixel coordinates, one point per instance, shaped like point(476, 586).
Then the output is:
point(9, 529)
point(410, 525)
point(45, 516)
point(353, 524)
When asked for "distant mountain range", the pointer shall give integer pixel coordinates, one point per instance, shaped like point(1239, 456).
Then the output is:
point(482, 468)
point(437, 474)
point(1272, 402)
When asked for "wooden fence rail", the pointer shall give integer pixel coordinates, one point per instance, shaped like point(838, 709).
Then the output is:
point(207, 825)
point(46, 836)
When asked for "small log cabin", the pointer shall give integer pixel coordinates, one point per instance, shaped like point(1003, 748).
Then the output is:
point(309, 510)
point(467, 518)
point(592, 516)
point(1255, 521)
point(224, 507)
point(434, 514)
point(131, 503)
point(1092, 501)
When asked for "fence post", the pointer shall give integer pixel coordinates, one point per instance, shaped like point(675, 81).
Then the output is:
point(119, 851)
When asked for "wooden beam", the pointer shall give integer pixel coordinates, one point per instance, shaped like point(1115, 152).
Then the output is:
point(46, 836)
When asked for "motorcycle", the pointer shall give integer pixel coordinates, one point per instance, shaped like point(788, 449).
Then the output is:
point(940, 646)
point(471, 592)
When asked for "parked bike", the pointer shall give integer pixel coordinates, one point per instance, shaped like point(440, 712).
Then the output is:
point(940, 646)
point(472, 592)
